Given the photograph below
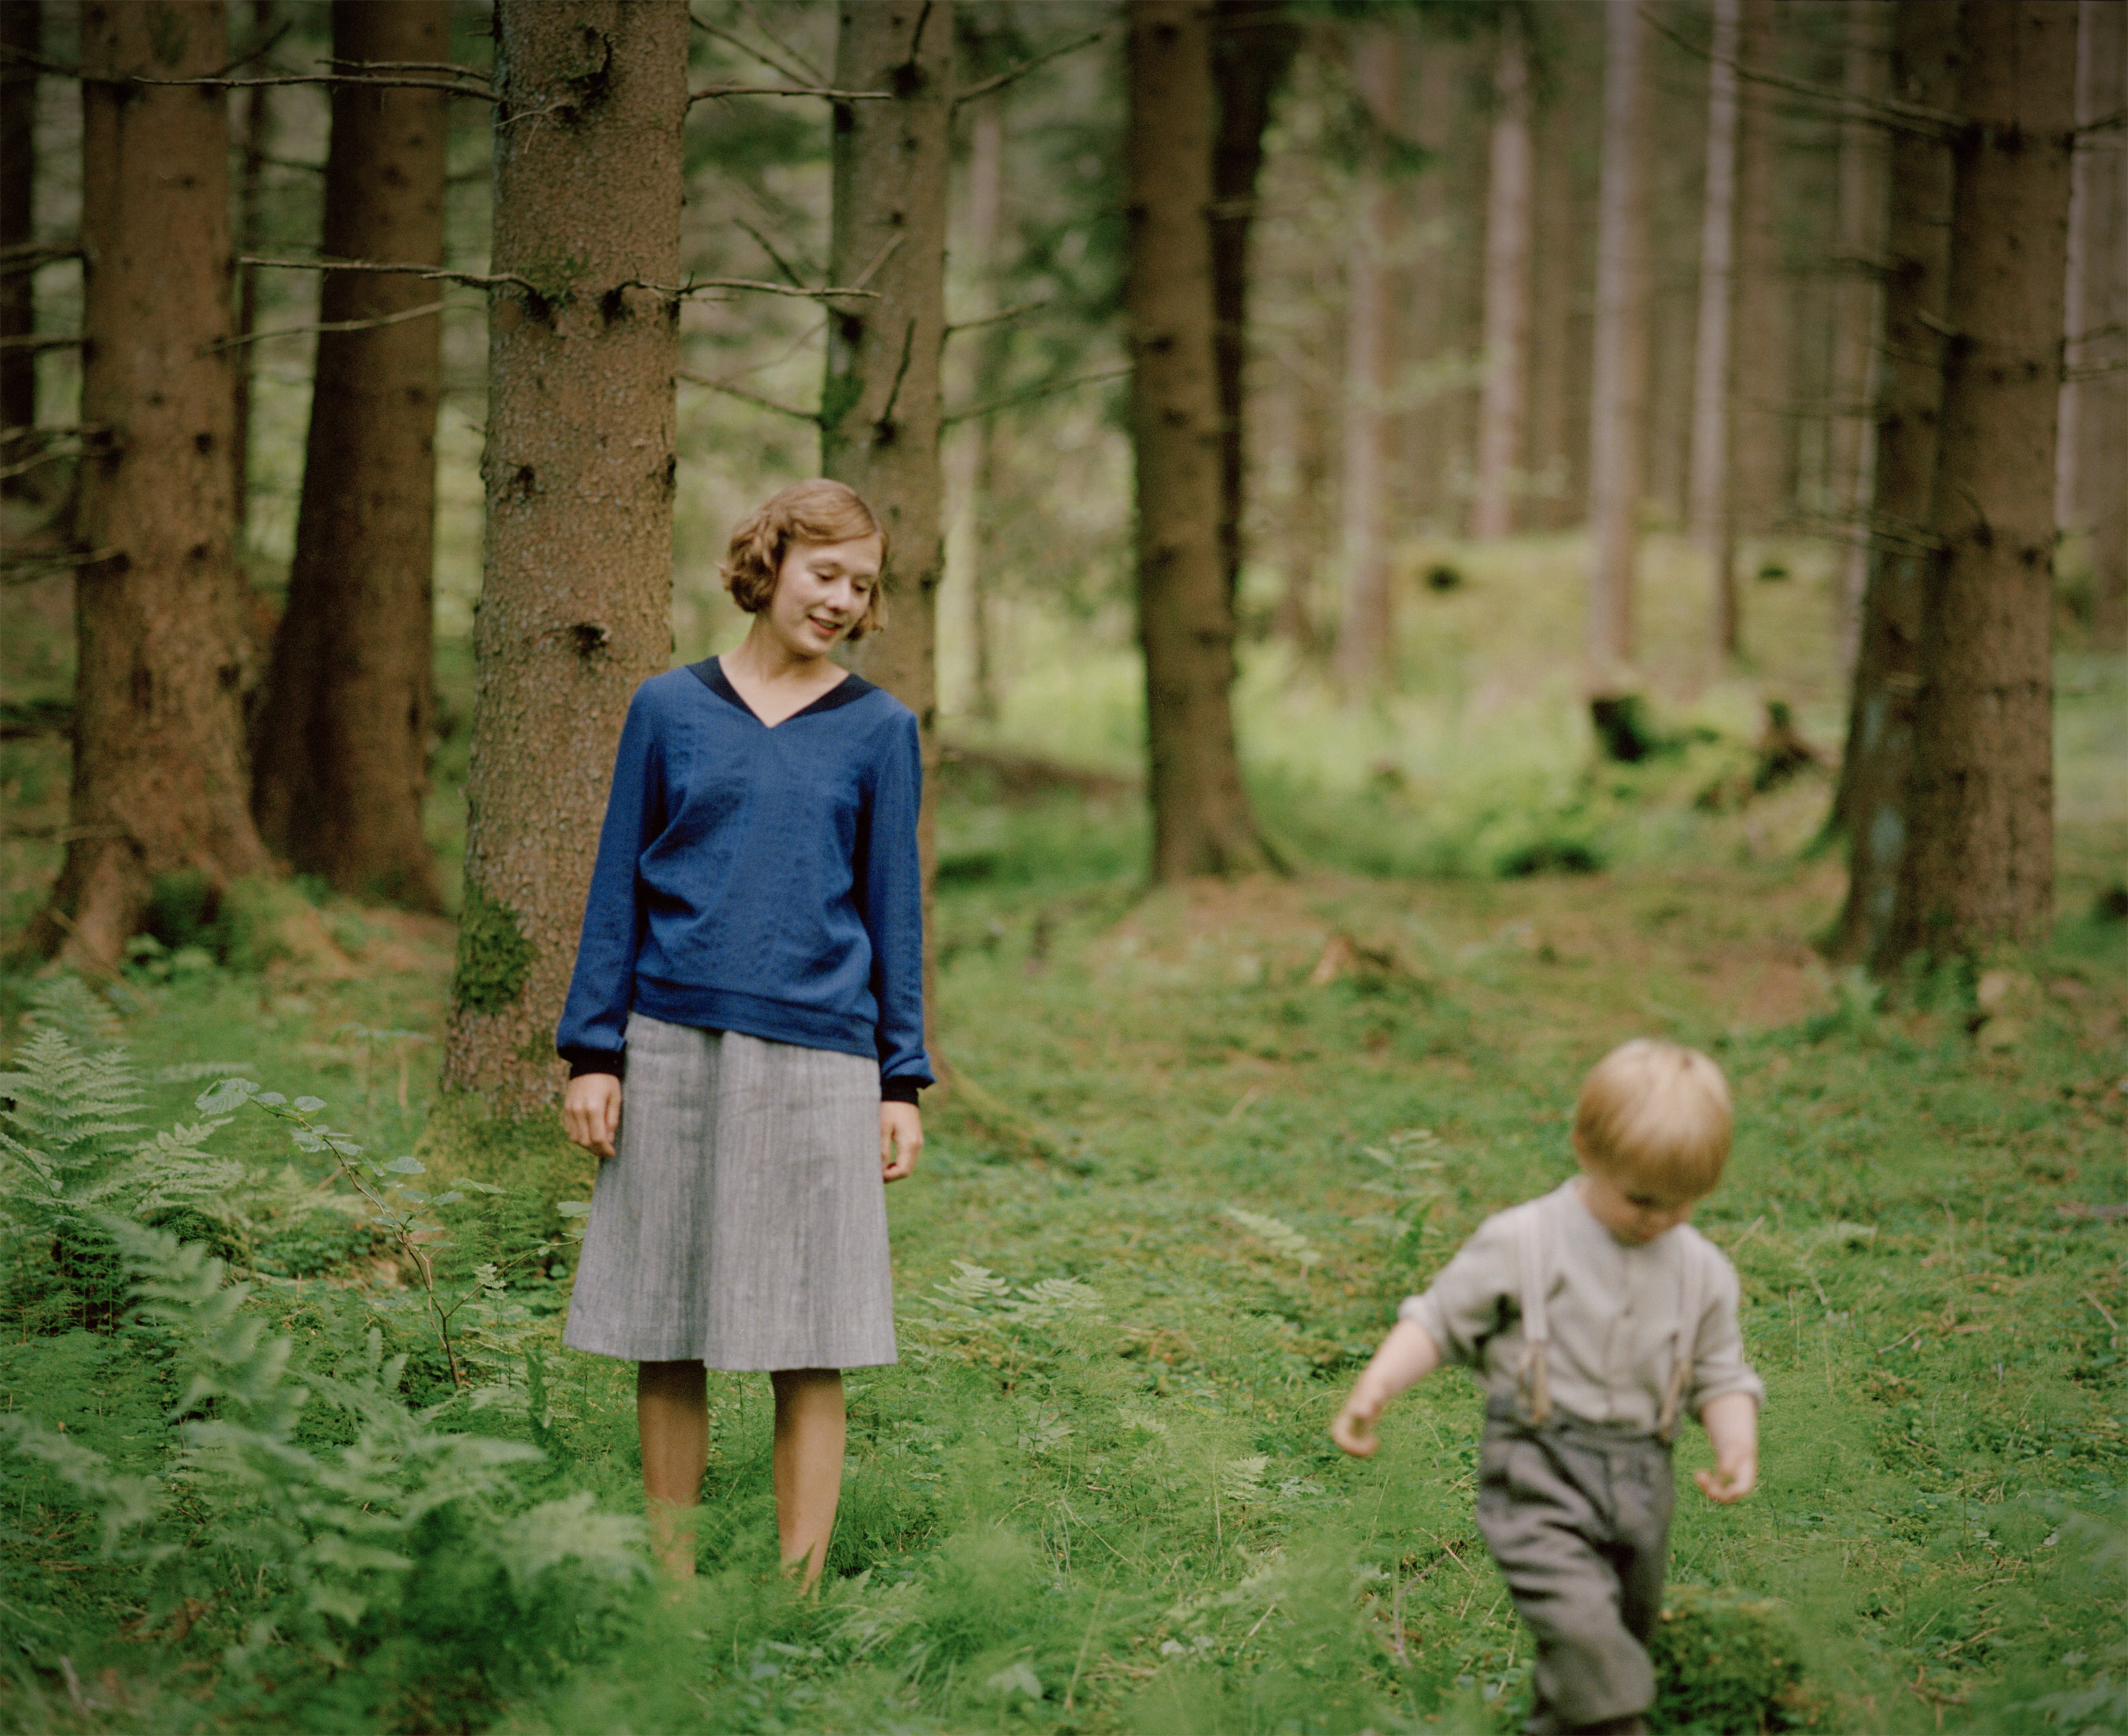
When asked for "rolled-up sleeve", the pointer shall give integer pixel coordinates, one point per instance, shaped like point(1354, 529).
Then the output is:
point(1475, 1296)
point(1718, 1367)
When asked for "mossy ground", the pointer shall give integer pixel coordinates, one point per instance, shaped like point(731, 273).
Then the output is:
point(1205, 1139)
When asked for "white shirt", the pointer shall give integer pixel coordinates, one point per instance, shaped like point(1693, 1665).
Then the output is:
point(1613, 1314)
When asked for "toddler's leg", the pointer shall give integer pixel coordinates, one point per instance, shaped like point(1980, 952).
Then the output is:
point(1540, 1503)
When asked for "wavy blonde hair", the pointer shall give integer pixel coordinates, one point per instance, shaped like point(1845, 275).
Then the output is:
point(816, 511)
point(1657, 1114)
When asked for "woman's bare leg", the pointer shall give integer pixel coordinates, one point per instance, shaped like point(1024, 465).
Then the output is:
point(673, 1417)
point(808, 1466)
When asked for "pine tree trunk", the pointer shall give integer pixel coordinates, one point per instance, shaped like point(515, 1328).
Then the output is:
point(1503, 408)
point(1759, 392)
point(1851, 448)
point(2108, 503)
point(340, 747)
point(1201, 820)
point(250, 186)
point(1618, 392)
point(1870, 806)
point(2091, 492)
point(879, 409)
point(1979, 863)
point(1712, 520)
point(22, 33)
point(1563, 271)
point(972, 454)
point(575, 610)
point(159, 780)
point(1365, 656)
point(1252, 45)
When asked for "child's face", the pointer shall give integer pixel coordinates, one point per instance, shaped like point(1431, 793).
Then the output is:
point(1631, 1209)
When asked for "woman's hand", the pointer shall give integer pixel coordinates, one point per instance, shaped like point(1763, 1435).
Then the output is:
point(591, 1111)
point(900, 1138)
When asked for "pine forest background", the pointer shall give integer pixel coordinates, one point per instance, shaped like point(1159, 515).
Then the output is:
point(1430, 538)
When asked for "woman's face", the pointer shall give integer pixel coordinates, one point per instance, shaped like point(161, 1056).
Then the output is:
point(822, 591)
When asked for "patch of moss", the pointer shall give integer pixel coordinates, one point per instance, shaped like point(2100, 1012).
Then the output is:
point(1727, 1664)
point(495, 954)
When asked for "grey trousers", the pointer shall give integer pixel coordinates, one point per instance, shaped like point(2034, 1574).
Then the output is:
point(1577, 1519)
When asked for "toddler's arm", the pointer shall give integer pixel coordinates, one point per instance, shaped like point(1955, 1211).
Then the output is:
point(1408, 1355)
point(1731, 1421)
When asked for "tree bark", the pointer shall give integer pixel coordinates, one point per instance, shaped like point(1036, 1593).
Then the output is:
point(340, 747)
point(1759, 389)
point(1979, 863)
point(1851, 448)
point(2091, 489)
point(1712, 521)
point(159, 780)
point(22, 33)
point(250, 185)
point(2109, 504)
point(574, 605)
point(1617, 394)
point(1252, 45)
point(1365, 656)
point(972, 456)
point(1870, 804)
point(1201, 820)
point(1502, 408)
point(878, 408)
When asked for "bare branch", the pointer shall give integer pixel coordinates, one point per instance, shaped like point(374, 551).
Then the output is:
point(34, 343)
point(768, 247)
point(32, 255)
point(31, 562)
point(731, 391)
point(435, 274)
point(2111, 123)
point(714, 91)
point(1013, 312)
point(415, 66)
point(1015, 73)
point(1913, 117)
point(480, 90)
point(878, 259)
point(23, 57)
point(795, 67)
point(697, 286)
point(1046, 390)
point(796, 55)
point(400, 318)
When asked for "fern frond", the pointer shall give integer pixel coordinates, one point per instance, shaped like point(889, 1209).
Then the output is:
point(121, 1500)
point(1282, 1237)
point(68, 1005)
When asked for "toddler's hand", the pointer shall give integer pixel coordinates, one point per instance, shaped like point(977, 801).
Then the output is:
point(1353, 1427)
point(1730, 1480)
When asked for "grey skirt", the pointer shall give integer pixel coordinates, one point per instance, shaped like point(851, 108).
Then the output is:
point(743, 1221)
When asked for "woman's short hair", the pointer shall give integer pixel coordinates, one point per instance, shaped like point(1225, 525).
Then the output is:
point(1656, 1113)
point(816, 511)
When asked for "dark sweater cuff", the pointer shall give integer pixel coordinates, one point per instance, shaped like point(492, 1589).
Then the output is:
point(899, 1090)
point(581, 1061)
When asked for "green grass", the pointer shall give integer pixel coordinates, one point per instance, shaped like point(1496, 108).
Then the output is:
point(1214, 1134)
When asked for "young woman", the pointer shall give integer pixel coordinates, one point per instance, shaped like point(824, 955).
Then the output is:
point(753, 963)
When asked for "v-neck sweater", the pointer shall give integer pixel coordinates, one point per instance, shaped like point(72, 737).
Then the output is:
point(757, 879)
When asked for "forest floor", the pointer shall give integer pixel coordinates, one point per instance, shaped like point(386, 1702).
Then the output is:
point(1205, 1140)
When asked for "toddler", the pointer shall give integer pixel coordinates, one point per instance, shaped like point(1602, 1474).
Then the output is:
point(1593, 1316)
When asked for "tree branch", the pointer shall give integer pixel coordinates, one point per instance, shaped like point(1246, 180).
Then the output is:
point(1012, 312)
point(416, 66)
point(481, 92)
point(729, 390)
point(33, 342)
point(1913, 117)
point(404, 314)
point(1049, 390)
point(28, 255)
point(795, 67)
point(1015, 73)
point(435, 274)
point(767, 247)
point(715, 91)
point(697, 286)
point(23, 57)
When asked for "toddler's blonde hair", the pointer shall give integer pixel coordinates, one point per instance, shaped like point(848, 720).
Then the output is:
point(1656, 1113)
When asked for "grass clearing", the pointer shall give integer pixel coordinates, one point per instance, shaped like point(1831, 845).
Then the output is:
point(1214, 1135)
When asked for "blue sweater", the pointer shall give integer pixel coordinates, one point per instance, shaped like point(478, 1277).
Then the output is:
point(757, 879)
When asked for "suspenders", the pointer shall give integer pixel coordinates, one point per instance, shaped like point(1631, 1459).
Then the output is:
point(1534, 1372)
